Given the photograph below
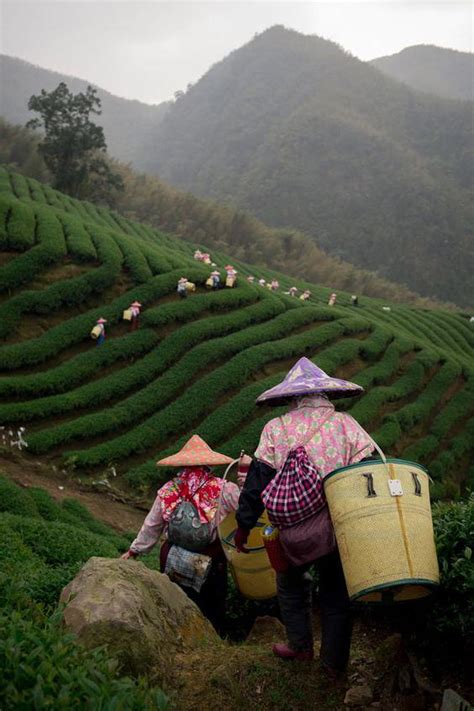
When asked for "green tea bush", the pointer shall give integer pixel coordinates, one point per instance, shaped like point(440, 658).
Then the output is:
point(183, 411)
point(14, 499)
point(51, 248)
point(78, 240)
point(134, 260)
point(449, 623)
point(42, 667)
point(81, 367)
point(21, 226)
point(20, 187)
point(138, 375)
point(58, 338)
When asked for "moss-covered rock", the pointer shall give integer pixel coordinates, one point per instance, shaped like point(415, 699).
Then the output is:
point(144, 619)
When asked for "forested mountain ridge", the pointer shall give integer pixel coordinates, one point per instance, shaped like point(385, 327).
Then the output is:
point(302, 134)
point(128, 125)
point(437, 70)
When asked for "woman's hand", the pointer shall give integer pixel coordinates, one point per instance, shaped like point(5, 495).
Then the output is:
point(127, 555)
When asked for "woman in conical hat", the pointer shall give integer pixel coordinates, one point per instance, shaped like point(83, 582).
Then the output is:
point(187, 510)
point(135, 307)
point(101, 337)
point(331, 440)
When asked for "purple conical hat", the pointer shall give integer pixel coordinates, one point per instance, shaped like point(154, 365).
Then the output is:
point(305, 378)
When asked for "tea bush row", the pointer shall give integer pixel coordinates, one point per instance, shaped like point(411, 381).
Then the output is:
point(79, 368)
point(411, 414)
point(221, 424)
point(76, 329)
point(366, 409)
point(200, 397)
point(49, 250)
point(20, 225)
point(459, 405)
point(64, 293)
point(157, 393)
point(134, 260)
point(78, 240)
point(120, 383)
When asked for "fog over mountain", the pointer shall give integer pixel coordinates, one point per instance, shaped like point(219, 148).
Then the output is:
point(444, 72)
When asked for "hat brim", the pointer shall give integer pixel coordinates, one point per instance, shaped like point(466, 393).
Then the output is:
point(210, 459)
point(331, 387)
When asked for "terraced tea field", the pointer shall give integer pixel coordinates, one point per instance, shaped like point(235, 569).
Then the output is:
point(197, 364)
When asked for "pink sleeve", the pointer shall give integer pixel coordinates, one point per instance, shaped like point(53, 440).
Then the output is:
point(266, 448)
point(151, 530)
point(229, 501)
point(360, 444)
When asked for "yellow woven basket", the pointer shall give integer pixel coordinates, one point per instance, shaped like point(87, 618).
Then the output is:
point(96, 331)
point(385, 539)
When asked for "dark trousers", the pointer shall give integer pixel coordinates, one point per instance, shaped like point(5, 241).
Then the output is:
point(211, 598)
point(295, 597)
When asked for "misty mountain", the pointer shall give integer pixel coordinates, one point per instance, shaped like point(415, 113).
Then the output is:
point(128, 125)
point(302, 134)
point(444, 72)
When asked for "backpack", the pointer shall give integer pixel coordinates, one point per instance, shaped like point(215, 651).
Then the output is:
point(296, 493)
point(185, 528)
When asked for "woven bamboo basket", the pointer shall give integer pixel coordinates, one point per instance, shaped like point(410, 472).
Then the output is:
point(190, 286)
point(95, 333)
point(385, 539)
point(127, 315)
point(230, 281)
point(209, 283)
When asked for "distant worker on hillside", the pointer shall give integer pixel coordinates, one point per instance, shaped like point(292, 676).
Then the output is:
point(275, 285)
point(216, 279)
point(198, 255)
point(354, 300)
point(292, 291)
point(250, 279)
point(135, 308)
point(332, 299)
point(181, 288)
point(98, 332)
point(296, 451)
point(262, 282)
point(305, 295)
point(188, 511)
point(231, 277)
point(206, 258)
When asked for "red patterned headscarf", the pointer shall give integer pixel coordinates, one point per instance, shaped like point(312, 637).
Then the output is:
point(195, 484)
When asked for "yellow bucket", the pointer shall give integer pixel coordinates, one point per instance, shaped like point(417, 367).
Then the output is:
point(252, 572)
point(382, 518)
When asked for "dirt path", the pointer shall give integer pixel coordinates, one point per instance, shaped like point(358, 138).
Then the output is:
point(120, 516)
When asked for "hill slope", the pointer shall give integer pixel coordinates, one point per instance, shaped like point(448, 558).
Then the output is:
point(128, 125)
point(437, 70)
point(198, 364)
point(304, 135)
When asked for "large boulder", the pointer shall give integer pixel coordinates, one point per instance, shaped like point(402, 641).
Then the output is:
point(144, 619)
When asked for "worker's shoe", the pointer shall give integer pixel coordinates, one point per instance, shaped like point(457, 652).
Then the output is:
point(285, 652)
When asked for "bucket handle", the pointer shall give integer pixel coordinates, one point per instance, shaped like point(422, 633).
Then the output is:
point(228, 468)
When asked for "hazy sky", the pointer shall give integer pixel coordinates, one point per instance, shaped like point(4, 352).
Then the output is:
point(148, 50)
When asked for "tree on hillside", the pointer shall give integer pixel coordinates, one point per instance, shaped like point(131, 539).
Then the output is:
point(73, 147)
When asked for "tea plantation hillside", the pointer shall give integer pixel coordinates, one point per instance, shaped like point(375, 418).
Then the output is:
point(197, 364)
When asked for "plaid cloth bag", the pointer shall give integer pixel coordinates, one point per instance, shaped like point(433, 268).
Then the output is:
point(296, 493)
point(187, 568)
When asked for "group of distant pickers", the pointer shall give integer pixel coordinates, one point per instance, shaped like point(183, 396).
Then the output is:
point(184, 286)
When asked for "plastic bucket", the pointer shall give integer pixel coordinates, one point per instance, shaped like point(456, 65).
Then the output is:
point(386, 541)
point(252, 572)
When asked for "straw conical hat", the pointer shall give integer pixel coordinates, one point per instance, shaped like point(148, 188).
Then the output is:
point(305, 378)
point(194, 453)
point(101, 320)
point(136, 303)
